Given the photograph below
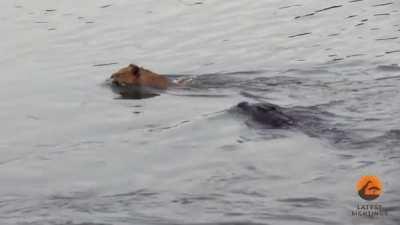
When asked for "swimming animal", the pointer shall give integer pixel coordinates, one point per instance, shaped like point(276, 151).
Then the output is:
point(134, 75)
point(310, 120)
point(137, 82)
point(267, 114)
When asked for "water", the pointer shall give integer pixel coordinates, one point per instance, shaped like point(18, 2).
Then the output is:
point(72, 152)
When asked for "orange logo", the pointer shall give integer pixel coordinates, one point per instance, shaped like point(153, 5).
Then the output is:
point(369, 187)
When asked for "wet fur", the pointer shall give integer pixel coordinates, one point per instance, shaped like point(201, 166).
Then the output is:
point(134, 75)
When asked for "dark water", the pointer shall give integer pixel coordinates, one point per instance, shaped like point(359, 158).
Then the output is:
point(73, 153)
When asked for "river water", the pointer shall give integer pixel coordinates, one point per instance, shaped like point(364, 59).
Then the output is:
point(74, 153)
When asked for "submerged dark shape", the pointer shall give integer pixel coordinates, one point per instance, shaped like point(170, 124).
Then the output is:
point(310, 120)
point(267, 114)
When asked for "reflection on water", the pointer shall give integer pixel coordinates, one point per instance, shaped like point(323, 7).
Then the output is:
point(74, 153)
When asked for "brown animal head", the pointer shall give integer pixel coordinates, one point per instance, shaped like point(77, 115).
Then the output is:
point(129, 75)
point(133, 75)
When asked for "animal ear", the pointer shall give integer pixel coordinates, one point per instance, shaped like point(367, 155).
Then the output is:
point(134, 70)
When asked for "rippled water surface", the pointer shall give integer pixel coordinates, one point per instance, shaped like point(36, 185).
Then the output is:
point(74, 153)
